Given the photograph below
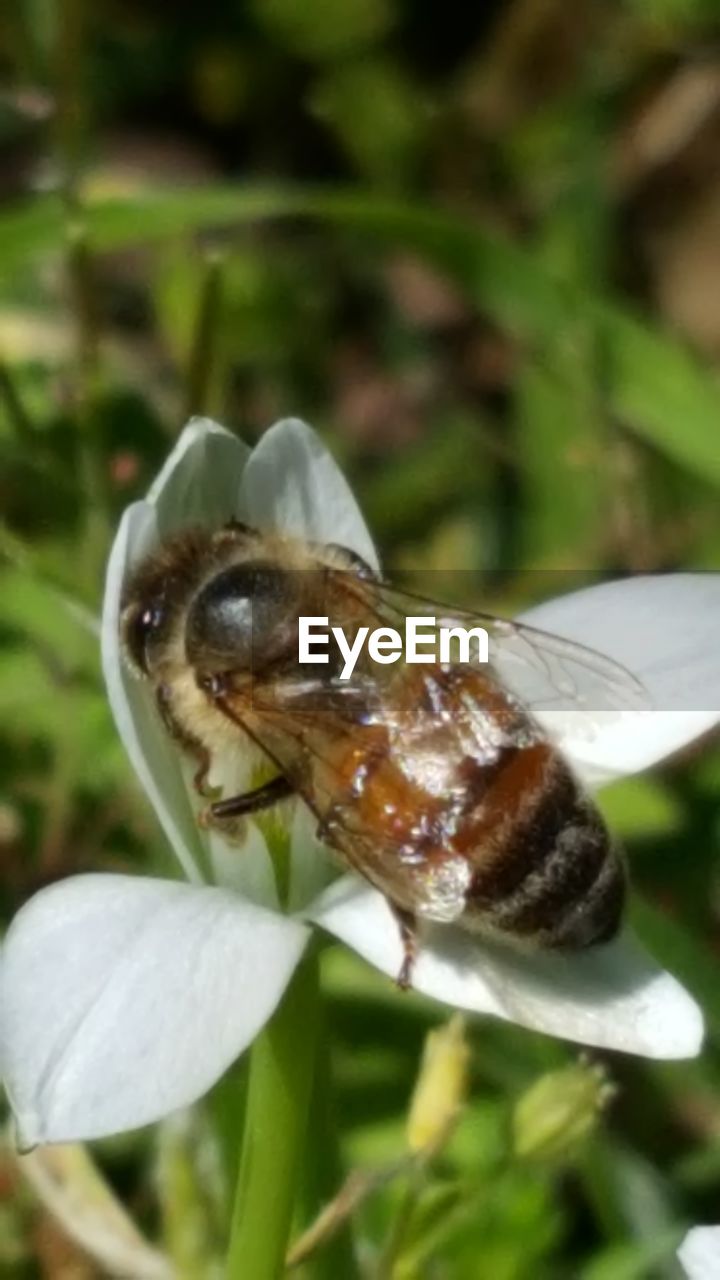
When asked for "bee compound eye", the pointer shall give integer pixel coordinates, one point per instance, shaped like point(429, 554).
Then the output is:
point(140, 626)
point(241, 619)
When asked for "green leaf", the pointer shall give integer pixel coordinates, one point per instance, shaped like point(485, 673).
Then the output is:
point(325, 30)
point(641, 806)
point(385, 139)
point(651, 383)
point(561, 451)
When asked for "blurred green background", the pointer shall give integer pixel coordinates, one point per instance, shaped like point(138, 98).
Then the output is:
point(478, 246)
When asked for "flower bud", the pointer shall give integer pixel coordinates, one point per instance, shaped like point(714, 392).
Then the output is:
point(560, 1110)
point(440, 1088)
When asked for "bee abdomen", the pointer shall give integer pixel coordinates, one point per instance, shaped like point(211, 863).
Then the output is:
point(595, 917)
point(574, 898)
point(559, 879)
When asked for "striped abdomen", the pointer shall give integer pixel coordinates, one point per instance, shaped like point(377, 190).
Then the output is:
point(544, 866)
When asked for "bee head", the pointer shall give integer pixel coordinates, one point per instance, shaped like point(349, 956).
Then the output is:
point(156, 597)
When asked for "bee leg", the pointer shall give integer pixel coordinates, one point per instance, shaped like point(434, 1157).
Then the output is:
point(328, 824)
point(407, 924)
point(253, 801)
point(186, 741)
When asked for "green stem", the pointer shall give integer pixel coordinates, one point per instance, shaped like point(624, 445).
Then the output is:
point(204, 339)
point(71, 116)
point(399, 1230)
point(324, 1173)
point(14, 408)
point(282, 1063)
point(226, 1106)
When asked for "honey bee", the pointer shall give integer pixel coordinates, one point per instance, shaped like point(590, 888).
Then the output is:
point(436, 783)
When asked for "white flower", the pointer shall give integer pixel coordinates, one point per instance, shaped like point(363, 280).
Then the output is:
point(123, 998)
point(699, 1253)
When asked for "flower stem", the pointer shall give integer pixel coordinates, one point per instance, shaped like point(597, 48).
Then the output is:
point(282, 1062)
point(332, 1250)
point(203, 346)
point(406, 1211)
point(14, 408)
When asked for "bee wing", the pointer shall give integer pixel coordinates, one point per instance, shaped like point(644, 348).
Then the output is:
point(308, 728)
point(296, 720)
point(545, 672)
point(550, 673)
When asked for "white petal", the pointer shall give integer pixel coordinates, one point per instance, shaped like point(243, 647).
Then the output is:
point(292, 483)
point(122, 999)
point(662, 629)
point(153, 755)
point(699, 1253)
point(245, 868)
point(613, 997)
point(200, 481)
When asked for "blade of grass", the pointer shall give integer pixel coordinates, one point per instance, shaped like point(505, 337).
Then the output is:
point(651, 382)
point(201, 363)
